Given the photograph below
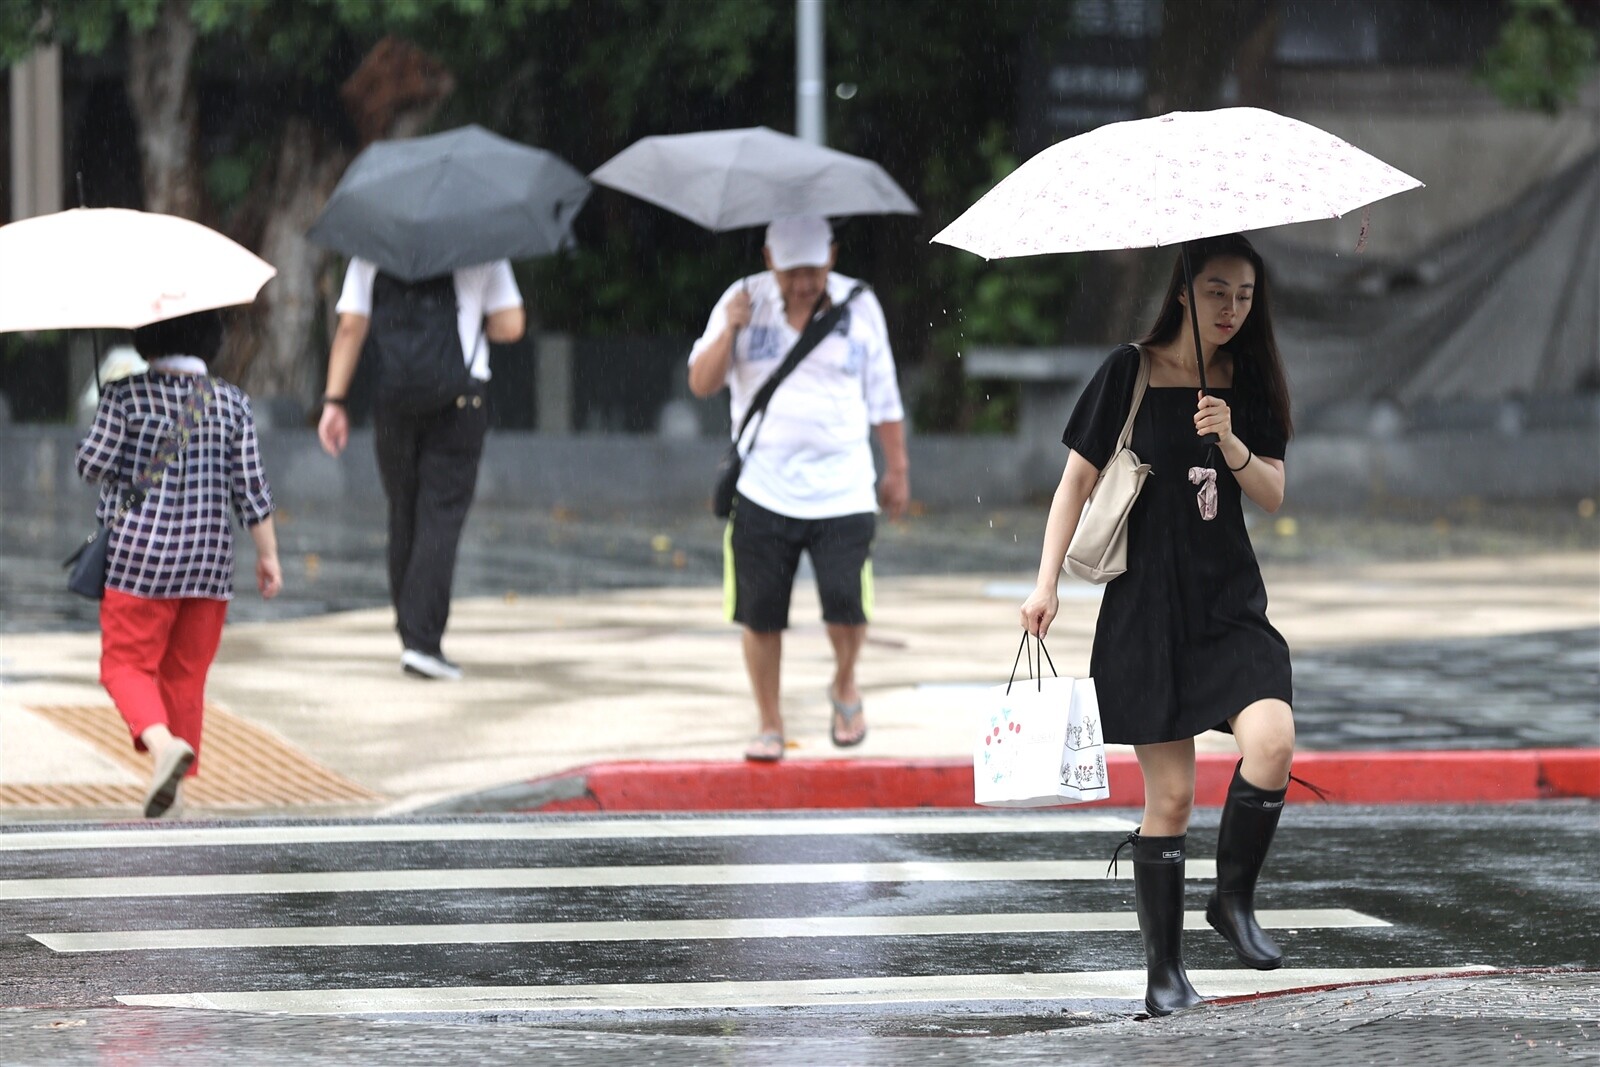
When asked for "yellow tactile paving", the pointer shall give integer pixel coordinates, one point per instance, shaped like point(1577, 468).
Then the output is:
point(242, 766)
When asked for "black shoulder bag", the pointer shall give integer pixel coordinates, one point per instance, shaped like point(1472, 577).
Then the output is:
point(733, 463)
point(86, 568)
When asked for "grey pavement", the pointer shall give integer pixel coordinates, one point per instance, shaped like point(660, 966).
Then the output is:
point(1526, 690)
point(333, 560)
point(598, 637)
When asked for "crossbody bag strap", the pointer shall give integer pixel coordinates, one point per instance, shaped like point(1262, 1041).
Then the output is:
point(170, 448)
point(816, 329)
point(1141, 381)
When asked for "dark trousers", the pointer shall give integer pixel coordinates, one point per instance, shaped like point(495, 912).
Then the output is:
point(429, 467)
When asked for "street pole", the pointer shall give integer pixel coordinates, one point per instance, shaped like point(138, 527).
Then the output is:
point(36, 134)
point(810, 119)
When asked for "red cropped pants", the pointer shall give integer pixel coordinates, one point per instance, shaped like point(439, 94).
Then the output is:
point(154, 657)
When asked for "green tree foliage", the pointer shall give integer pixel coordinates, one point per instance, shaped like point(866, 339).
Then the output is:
point(932, 96)
point(934, 100)
point(1542, 58)
point(299, 34)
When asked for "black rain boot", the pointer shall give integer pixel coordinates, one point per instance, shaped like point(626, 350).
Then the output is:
point(1158, 898)
point(1249, 819)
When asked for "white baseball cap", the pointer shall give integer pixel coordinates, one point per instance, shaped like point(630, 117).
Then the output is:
point(799, 241)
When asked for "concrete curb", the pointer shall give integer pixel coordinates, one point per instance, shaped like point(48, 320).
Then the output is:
point(1384, 777)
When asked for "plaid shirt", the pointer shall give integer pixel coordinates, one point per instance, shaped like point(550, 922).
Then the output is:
point(179, 542)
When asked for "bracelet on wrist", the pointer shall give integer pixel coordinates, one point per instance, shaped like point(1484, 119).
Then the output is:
point(339, 400)
point(1247, 458)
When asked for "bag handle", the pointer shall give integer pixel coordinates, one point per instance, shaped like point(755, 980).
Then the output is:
point(1035, 664)
point(1141, 381)
point(816, 329)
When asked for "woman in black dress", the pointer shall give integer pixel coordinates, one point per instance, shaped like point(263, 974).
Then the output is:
point(1183, 644)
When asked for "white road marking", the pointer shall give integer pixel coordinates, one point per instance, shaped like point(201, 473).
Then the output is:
point(661, 930)
point(435, 880)
point(938, 989)
point(570, 829)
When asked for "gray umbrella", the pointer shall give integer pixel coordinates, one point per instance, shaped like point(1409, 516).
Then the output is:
point(427, 205)
point(726, 179)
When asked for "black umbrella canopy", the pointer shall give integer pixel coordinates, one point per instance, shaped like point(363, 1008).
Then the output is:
point(424, 206)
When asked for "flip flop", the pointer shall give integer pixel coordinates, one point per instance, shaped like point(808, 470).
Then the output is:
point(850, 714)
point(767, 747)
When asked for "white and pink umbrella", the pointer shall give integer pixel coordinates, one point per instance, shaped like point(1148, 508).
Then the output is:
point(112, 268)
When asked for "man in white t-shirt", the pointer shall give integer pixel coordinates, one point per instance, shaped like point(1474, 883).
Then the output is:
point(809, 483)
point(429, 461)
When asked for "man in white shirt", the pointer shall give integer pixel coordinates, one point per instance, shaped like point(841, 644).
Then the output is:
point(429, 460)
point(808, 484)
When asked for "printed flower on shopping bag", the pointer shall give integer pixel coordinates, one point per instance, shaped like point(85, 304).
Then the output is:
point(1083, 734)
point(1085, 775)
point(1000, 728)
point(1000, 743)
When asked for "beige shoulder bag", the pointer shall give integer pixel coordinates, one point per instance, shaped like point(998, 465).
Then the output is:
point(1099, 548)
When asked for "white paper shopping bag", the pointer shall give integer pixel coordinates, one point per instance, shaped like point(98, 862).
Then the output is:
point(1038, 741)
point(1083, 756)
point(1016, 755)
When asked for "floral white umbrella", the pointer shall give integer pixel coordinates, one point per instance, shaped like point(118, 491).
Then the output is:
point(1173, 178)
point(1170, 179)
point(112, 268)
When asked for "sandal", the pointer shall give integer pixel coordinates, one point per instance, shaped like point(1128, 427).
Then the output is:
point(170, 766)
point(847, 716)
point(766, 748)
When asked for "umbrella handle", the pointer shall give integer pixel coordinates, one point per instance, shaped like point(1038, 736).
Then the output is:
point(1194, 323)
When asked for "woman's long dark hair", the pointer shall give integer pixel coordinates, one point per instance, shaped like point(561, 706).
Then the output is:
point(1255, 342)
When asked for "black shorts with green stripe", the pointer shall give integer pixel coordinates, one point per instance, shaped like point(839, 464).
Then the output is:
point(761, 554)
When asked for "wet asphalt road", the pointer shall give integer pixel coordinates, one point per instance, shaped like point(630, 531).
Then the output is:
point(1521, 1019)
point(1395, 889)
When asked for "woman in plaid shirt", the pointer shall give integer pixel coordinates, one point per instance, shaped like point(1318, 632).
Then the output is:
point(170, 567)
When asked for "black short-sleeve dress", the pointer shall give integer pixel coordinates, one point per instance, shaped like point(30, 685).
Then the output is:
point(1183, 642)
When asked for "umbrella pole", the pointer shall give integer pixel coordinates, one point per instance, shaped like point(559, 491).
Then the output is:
point(94, 335)
point(1194, 324)
point(1194, 315)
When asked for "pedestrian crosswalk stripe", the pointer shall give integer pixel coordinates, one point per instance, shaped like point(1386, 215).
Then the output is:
point(1057, 822)
point(433, 880)
point(662, 930)
point(938, 989)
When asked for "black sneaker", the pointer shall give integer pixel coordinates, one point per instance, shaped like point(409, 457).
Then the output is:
point(425, 666)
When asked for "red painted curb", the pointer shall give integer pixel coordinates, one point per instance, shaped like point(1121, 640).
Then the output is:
point(1423, 777)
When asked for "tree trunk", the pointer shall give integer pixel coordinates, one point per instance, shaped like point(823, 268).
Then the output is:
point(161, 90)
point(281, 352)
point(275, 355)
